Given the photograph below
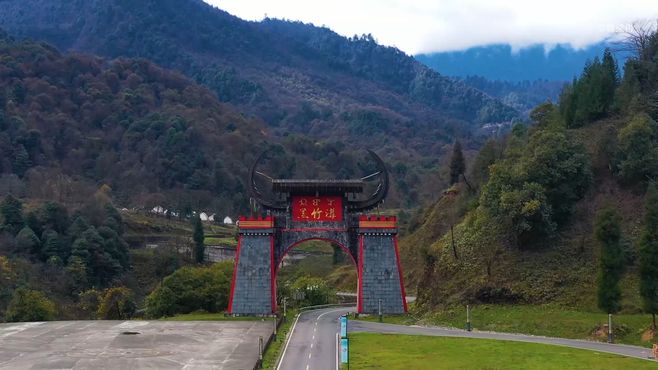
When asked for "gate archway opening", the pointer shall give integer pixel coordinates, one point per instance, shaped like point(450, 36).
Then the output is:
point(298, 210)
point(323, 263)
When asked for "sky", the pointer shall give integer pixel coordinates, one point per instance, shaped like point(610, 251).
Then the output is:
point(421, 26)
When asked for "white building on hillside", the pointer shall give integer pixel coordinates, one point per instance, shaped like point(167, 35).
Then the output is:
point(228, 221)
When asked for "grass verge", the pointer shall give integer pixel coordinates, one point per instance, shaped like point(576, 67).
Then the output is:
point(551, 321)
point(276, 346)
point(393, 351)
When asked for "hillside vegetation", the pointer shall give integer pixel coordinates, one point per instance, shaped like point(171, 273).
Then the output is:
point(306, 83)
point(70, 123)
point(523, 227)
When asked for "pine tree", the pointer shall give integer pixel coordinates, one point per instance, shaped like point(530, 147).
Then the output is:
point(457, 164)
point(28, 241)
point(21, 161)
point(199, 248)
point(609, 80)
point(12, 214)
point(608, 233)
point(649, 255)
point(51, 244)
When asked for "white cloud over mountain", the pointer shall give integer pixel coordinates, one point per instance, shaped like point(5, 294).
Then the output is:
point(442, 25)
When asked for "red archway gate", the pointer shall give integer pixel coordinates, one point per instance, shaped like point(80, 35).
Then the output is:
point(318, 209)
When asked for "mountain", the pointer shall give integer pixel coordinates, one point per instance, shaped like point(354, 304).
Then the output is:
point(70, 123)
point(501, 62)
point(523, 95)
point(297, 77)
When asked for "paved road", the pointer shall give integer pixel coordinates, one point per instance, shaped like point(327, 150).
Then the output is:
point(109, 345)
point(312, 343)
point(620, 349)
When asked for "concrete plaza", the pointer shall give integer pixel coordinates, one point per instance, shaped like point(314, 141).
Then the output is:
point(132, 344)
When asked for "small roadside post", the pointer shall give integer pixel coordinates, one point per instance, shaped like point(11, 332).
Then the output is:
point(274, 335)
point(260, 351)
point(610, 328)
point(468, 318)
point(284, 308)
point(379, 310)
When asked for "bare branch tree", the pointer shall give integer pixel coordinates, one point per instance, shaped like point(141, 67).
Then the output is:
point(636, 38)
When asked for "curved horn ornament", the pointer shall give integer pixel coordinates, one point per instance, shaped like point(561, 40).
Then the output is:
point(379, 194)
point(255, 193)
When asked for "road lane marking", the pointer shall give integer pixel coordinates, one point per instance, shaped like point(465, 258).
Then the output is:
point(309, 355)
point(336, 310)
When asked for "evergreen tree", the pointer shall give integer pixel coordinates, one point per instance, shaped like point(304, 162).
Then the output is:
point(21, 161)
point(12, 214)
point(611, 265)
point(638, 154)
point(591, 96)
point(609, 80)
point(114, 219)
point(78, 226)
point(55, 216)
point(199, 248)
point(649, 255)
point(51, 244)
point(457, 164)
point(28, 241)
point(33, 222)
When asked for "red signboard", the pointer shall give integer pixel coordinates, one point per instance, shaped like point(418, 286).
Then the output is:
point(309, 208)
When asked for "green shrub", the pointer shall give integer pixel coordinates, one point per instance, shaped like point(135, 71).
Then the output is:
point(190, 289)
point(29, 305)
point(311, 290)
point(117, 304)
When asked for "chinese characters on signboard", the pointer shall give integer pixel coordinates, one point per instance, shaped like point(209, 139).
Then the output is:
point(309, 208)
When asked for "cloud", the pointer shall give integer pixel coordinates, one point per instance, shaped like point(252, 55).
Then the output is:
point(444, 25)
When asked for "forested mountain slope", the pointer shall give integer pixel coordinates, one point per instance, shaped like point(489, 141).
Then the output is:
point(523, 228)
point(297, 77)
point(71, 123)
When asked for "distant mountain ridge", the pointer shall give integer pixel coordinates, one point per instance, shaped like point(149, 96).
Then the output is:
point(297, 77)
point(501, 62)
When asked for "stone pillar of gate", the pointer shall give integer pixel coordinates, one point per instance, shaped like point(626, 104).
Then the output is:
point(380, 274)
point(253, 280)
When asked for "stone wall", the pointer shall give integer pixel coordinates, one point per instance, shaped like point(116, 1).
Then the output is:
point(252, 293)
point(380, 274)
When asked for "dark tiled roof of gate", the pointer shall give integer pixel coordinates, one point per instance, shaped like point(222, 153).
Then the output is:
point(296, 186)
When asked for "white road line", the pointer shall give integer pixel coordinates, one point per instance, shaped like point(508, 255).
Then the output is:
point(312, 344)
point(309, 355)
point(307, 367)
point(292, 331)
point(336, 310)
